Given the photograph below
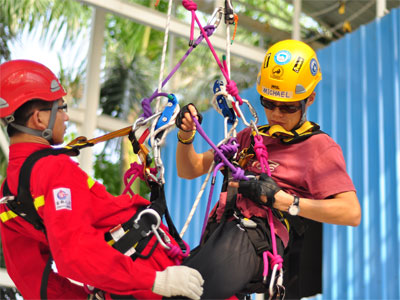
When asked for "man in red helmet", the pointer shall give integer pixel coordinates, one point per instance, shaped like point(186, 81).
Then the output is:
point(308, 184)
point(72, 211)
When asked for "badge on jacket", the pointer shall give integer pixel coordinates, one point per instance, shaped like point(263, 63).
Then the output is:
point(62, 198)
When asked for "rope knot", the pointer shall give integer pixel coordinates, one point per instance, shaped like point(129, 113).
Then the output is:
point(232, 89)
point(228, 150)
point(209, 29)
point(238, 174)
point(189, 5)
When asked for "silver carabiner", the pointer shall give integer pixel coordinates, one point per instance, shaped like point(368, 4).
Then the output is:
point(160, 240)
point(154, 214)
point(279, 283)
point(220, 12)
point(252, 111)
point(142, 121)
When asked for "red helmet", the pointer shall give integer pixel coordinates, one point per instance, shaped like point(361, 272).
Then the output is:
point(24, 80)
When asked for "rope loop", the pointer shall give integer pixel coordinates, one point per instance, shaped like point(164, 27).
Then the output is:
point(147, 112)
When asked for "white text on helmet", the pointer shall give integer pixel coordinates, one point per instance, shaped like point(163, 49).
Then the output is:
point(279, 94)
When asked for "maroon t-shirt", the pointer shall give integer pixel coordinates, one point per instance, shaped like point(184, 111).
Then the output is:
point(314, 168)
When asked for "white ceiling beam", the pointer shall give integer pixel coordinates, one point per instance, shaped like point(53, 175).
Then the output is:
point(150, 17)
point(104, 122)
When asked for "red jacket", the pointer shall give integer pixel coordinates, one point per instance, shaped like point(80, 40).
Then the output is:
point(75, 233)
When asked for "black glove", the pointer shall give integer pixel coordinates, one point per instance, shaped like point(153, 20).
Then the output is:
point(181, 115)
point(253, 189)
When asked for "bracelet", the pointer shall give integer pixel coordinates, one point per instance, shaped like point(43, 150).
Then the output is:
point(187, 141)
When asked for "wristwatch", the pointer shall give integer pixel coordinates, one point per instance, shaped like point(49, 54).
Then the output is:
point(294, 208)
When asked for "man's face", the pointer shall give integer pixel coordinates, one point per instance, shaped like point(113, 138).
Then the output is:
point(59, 124)
point(286, 114)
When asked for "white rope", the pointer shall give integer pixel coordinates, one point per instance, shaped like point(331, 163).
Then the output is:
point(200, 194)
point(164, 52)
point(228, 50)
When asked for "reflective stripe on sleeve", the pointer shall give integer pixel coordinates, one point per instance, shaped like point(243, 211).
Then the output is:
point(7, 215)
point(90, 182)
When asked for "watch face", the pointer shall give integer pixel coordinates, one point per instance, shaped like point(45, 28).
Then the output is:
point(294, 210)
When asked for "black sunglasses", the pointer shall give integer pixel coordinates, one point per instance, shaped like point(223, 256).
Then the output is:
point(286, 109)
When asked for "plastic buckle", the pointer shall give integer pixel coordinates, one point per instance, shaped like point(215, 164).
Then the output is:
point(248, 223)
point(5, 199)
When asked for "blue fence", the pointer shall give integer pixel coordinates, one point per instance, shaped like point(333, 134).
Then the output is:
point(358, 104)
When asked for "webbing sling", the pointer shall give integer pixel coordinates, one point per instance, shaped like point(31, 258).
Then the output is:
point(23, 204)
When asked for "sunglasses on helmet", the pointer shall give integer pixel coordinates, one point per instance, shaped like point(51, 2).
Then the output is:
point(286, 109)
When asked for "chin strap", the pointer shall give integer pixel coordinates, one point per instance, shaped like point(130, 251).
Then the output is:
point(48, 132)
point(306, 130)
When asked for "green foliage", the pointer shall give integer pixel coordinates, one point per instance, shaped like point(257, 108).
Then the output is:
point(108, 173)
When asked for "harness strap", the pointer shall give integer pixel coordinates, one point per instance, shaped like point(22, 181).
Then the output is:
point(45, 279)
point(23, 204)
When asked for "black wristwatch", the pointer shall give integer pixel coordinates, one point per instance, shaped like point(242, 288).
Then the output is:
point(294, 208)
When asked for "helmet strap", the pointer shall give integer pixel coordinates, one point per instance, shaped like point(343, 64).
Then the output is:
point(47, 134)
point(303, 113)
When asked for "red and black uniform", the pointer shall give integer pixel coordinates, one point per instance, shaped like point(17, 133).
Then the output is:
point(76, 212)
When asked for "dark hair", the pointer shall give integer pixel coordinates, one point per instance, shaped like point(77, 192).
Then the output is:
point(23, 113)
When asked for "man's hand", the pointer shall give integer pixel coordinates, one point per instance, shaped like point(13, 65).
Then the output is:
point(179, 281)
point(261, 191)
point(184, 119)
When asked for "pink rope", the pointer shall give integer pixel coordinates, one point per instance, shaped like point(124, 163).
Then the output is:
point(192, 7)
point(135, 170)
point(231, 87)
point(262, 156)
point(175, 252)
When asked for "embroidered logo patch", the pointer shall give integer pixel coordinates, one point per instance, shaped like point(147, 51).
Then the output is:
point(62, 198)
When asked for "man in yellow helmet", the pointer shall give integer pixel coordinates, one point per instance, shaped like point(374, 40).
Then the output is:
point(308, 182)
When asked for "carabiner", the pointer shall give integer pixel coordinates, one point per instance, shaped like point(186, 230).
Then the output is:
point(220, 12)
point(160, 240)
point(154, 214)
point(252, 111)
point(278, 282)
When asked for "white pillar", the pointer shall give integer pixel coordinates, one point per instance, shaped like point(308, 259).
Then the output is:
point(92, 86)
point(296, 20)
point(4, 144)
point(380, 8)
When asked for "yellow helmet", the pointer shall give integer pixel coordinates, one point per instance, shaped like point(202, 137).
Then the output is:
point(290, 72)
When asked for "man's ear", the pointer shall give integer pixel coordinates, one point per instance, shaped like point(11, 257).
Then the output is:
point(311, 98)
point(38, 120)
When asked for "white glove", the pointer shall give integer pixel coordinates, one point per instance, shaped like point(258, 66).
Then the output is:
point(179, 281)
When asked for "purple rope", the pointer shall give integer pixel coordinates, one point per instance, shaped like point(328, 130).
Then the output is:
point(229, 149)
point(237, 173)
point(146, 104)
point(147, 112)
